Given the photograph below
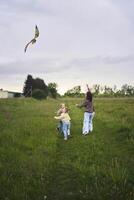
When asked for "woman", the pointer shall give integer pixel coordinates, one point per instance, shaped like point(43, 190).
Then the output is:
point(88, 114)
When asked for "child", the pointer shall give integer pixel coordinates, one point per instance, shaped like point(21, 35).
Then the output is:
point(59, 112)
point(65, 118)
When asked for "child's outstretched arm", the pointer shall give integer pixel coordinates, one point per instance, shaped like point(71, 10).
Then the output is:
point(58, 117)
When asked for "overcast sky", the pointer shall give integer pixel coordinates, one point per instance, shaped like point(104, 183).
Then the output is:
point(81, 41)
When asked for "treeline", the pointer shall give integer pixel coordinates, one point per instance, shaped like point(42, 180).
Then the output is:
point(103, 91)
point(106, 91)
point(37, 88)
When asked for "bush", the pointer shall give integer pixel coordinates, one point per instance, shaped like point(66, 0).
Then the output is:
point(39, 94)
point(17, 94)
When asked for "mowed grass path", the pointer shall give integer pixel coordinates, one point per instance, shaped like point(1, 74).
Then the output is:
point(37, 164)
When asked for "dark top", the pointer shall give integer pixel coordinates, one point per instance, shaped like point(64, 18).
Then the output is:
point(88, 106)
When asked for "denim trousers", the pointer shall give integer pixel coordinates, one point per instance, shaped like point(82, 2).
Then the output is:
point(87, 123)
point(66, 129)
point(60, 127)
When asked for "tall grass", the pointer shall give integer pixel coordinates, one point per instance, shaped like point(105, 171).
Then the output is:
point(37, 164)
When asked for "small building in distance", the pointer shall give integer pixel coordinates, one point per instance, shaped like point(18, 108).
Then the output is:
point(4, 94)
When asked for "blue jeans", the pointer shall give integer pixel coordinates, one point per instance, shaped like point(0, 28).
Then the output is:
point(87, 123)
point(66, 129)
point(59, 127)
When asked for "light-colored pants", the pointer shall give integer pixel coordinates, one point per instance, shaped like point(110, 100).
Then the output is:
point(66, 129)
point(87, 123)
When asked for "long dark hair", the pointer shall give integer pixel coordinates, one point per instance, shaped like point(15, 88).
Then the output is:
point(89, 96)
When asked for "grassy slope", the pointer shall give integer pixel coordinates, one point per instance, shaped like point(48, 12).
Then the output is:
point(36, 163)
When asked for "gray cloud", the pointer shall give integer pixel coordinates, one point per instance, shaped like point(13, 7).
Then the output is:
point(56, 65)
point(99, 60)
point(77, 38)
point(32, 66)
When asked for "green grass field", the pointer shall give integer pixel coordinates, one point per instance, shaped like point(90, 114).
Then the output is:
point(37, 164)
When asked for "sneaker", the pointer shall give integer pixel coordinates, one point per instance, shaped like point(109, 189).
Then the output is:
point(65, 138)
point(85, 133)
point(57, 129)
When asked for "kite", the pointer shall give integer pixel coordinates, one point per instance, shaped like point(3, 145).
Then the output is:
point(34, 39)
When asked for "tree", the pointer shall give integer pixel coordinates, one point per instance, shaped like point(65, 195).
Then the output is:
point(52, 88)
point(96, 88)
point(39, 94)
point(27, 89)
point(32, 84)
point(74, 92)
point(108, 91)
point(77, 90)
point(127, 90)
point(40, 84)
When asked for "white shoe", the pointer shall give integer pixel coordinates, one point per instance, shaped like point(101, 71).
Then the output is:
point(65, 138)
point(85, 133)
